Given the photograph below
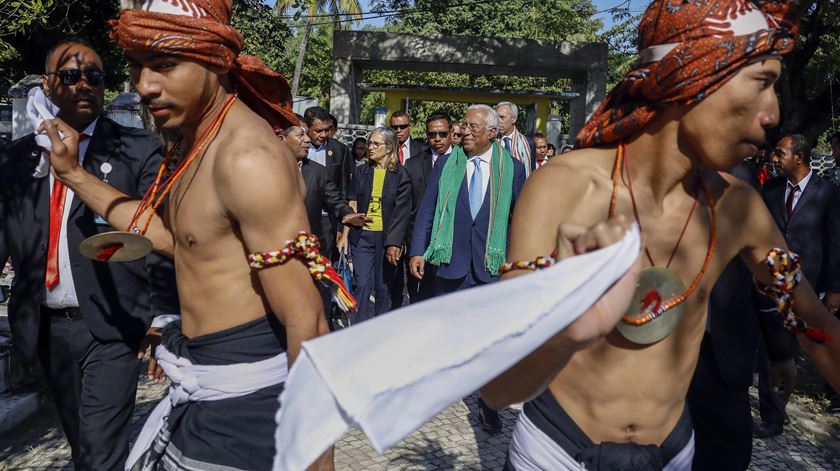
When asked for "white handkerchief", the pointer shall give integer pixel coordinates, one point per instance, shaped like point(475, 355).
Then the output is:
point(431, 354)
point(38, 109)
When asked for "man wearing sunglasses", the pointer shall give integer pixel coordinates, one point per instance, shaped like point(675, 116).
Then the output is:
point(439, 138)
point(402, 126)
point(86, 322)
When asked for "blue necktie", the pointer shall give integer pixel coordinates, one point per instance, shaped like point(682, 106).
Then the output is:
point(475, 188)
point(507, 145)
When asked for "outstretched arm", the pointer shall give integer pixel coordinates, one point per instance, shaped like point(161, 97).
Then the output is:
point(537, 231)
point(762, 236)
point(268, 216)
point(103, 199)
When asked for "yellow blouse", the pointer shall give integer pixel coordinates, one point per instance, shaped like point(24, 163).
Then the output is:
point(375, 207)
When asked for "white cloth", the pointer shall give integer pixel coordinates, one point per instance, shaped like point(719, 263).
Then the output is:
point(163, 320)
point(40, 108)
point(802, 184)
point(204, 383)
point(532, 450)
point(64, 293)
point(428, 355)
point(485, 170)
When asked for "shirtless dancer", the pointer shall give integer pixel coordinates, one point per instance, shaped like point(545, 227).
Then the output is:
point(612, 403)
point(241, 195)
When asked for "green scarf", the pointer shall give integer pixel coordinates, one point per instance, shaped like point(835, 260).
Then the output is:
point(501, 188)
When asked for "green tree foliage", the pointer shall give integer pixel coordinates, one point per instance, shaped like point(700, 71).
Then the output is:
point(810, 83)
point(334, 9)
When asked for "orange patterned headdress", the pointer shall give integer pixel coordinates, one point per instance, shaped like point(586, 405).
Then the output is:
point(200, 30)
point(687, 50)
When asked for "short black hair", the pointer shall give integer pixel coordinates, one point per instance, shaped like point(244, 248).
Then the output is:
point(834, 137)
point(358, 140)
point(334, 120)
point(398, 114)
point(437, 115)
point(539, 135)
point(800, 145)
point(65, 42)
point(551, 146)
point(316, 112)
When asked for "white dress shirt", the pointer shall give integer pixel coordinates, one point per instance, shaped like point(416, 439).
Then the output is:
point(64, 293)
point(406, 147)
point(485, 170)
point(802, 184)
point(319, 153)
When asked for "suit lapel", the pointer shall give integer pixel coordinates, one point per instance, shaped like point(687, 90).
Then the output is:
point(427, 168)
point(810, 190)
point(103, 144)
point(777, 208)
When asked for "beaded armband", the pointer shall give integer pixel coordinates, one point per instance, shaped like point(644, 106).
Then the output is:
point(538, 264)
point(305, 248)
point(786, 275)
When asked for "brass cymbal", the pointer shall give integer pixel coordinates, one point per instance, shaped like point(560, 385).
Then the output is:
point(116, 246)
point(656, 286)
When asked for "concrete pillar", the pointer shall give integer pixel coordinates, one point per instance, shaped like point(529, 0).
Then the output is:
point(341, 90)
point(591, 89)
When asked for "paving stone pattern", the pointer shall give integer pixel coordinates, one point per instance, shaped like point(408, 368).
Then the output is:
point(451, 441)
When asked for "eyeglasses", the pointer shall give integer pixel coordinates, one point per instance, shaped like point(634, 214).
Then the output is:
point(70, 77)
point(400, 127)
point(432, 134)
point(457, 134)
point(473, 127)
point(375, 144)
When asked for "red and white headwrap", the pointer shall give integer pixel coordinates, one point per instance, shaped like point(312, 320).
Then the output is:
point(200, 30)
point(687, 50)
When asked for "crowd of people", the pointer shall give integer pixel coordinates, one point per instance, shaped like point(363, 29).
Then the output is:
point(243, 204)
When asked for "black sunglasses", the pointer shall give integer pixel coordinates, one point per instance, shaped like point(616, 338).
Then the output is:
point(400, 127)
point(70, 77)
point(432, 134)
point(457, 134)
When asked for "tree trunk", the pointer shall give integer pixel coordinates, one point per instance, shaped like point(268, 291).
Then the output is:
point(299, 64)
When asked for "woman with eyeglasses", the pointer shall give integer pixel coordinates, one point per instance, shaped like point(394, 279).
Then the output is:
point(382, 190)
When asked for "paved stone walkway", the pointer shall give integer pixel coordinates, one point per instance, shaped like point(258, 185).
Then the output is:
point(451, 441)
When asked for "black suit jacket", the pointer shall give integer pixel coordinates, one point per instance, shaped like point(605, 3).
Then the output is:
point(813, 230)
point(396, 202)
point(416, 147)
point(419, 170)
point(321, 195)
point(116, 299)
point(735, 322)
point(340, 165)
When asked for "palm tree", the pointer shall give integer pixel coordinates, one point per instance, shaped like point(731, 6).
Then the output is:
point(324, 8)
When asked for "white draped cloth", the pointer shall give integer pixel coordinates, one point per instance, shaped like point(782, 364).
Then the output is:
point(40, 108)
point(389, 375)
point(204, 383)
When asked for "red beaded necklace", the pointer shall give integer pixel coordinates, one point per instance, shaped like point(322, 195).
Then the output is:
point(620, 165)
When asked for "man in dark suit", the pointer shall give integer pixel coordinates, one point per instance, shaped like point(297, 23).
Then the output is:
point(718, 398)
point(85, 321)
point(408, 147)
point(805, 209)
point(469, 264)
point(321, 193)
point(438, 136)
point(338, 160)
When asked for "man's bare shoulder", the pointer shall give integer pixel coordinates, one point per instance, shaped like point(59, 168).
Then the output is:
point(575, 173)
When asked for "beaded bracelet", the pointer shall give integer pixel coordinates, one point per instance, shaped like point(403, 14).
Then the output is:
point(786, 274)
point(305, 247)
point(539, 263)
